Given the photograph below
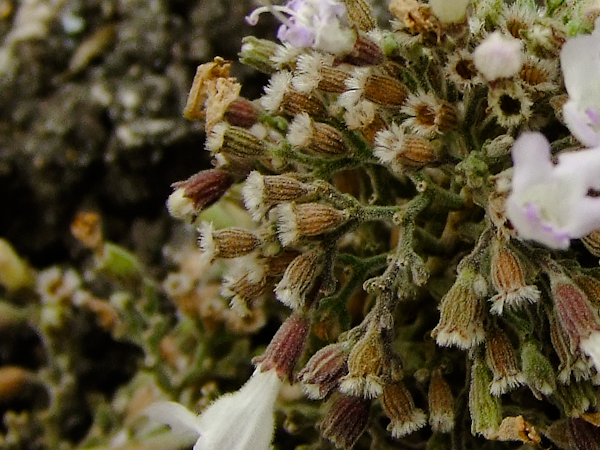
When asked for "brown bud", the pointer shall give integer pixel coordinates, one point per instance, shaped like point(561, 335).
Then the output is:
point(366, 52)
point(346, 420)
point(234, 141)
point(320, 139)
point(324, 369)
point(461, 314)
point(399, 406)
point(508, 278)
point(242, 112)
point(286, 347)
point(360, 14)
point(366, 367)
point(441, 403)
point(307, 220)
point(198, 192)
point(502, 359)
point(299, 278)
point(226, 243)
point(571, 363)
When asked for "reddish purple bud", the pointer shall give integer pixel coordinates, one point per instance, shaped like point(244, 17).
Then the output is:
point(574, 311)
point(286, 347)
point(198, 192)
point(324, 369)
point(346, 420)
point(242, 113)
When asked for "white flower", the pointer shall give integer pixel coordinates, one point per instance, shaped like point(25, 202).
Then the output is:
point(580, 63)
point(318, 24)
point(550, 203)
point(243, 420)
point(498, 56)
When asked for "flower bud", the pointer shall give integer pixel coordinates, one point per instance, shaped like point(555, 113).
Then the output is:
point(399, 406)
point(366, 367)
point(360, 14)
point(502, 360)
point(364, 53)
point(537, 370)
point(299, 278)
point(198, 192)
point(461, 314)
point(259, 54)
point(441, 404)
point(508, 278)
point(315, 71)
point(346, 420)
point(242, 291)
point(286, 347)
point(261, 192)
point(402, 151)
point(324, 369)
point(234, 141)
point(577, 317)
point(485, 409)
point(319, 139)
point(241, 112)
point(379, 89)
point(226, 243)
point(307, 220)
point(571, 363)
point(281, 97)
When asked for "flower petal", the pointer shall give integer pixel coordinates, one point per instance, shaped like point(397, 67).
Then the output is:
point(531, 159)
point(578, 123)
point(178, 417)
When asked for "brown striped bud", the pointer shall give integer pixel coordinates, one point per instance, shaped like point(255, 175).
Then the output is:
point(323, 371)
point(241, 112)
point(508, 278)
point(261, 192)
point(278, 264)
point(226, 243)
point(346, 420)
point(320, 139)
point(299, 278)
point(399, 406)
point(379, 89)
point(441, 403)
point(286, 347)
point(198, 192)
point(281, 97)
point(461, 314)
point(502, 360)
point(234, 141)
point(315, 71)
point(366, 367)
point(242, 291)
point(307, 220)
point(365, 52)
point(360, 14)
point(591, 288)
point(402, 151)
point(485, 409)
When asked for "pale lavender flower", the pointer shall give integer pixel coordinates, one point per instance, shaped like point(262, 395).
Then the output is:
point(498, 56)
point(243, 420)
point(318, 24)
point(580, 63)
point(550, 203)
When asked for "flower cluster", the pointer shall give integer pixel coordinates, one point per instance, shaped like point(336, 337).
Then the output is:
point(381, 207)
